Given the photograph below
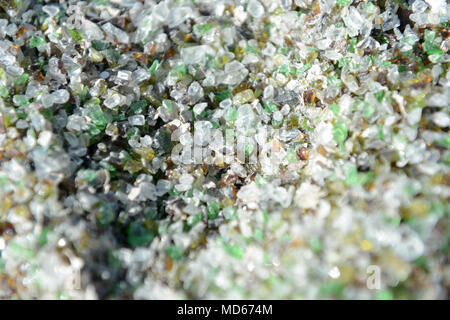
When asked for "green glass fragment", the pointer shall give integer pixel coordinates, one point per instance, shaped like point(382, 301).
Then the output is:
point(252, 50)
point(385, 64)
point(332, 288)
point(269, 107)
point(20, 252)
point(112, 56)
point(194, 219)
point(284, 69)
point(291, 156)
point(380, 132)
point(435, 51)
point(316, 245)
point(260, 181)
point(368, 110)
point(88, 175)
point(213, 209)
point(384, 294)
point(154, 67)
point(168, 105)
point(284, 51)
point(95, 112)
point(234, 250)
point(21, 100)
point(43, 237)
point(380, 95)
point(335, 109)
point(4, 93)
point(222, 95)
point(351, 177)
point(366, 177)
point(138, 107)
point(138, 235)
point(36, 41)
point(343, 3)
point(232, 114)
point(47, 113)
point(421, 262)
point(402, 68)
point(268, 27)
point(181, 68)
point(249, 147)
point(304, 68)
point(75, 35)
point(429, 36)
point(174, 252)
point(21, 114)
point(258, 234)
point(335, 82)
point(202, 29)
point(340, 132)
point(352, 45)
point(444, 142)
point(100, 45)
point(368, 7)
point(105, 214)
point(343, 62)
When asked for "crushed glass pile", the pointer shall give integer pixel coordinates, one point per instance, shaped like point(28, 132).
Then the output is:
point(332, 117)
